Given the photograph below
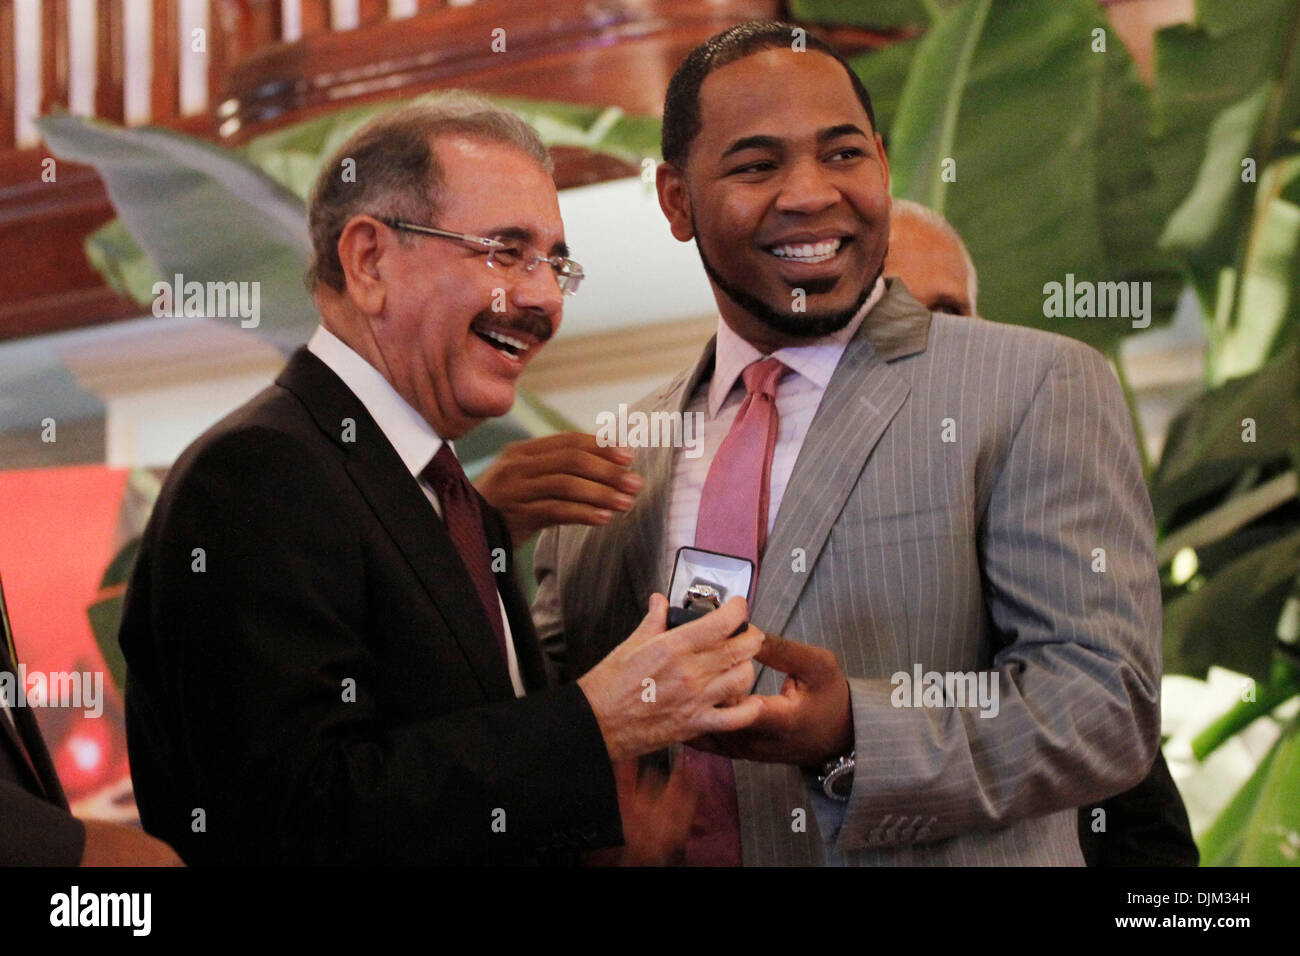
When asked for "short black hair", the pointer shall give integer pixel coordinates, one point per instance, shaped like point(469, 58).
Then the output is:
point(682, 104)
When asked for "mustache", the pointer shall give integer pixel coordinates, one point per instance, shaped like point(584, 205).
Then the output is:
point(526, 323)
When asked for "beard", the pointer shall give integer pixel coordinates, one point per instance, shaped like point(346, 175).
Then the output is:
point(800, 325)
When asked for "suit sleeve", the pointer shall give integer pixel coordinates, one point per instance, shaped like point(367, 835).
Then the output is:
point(1071, 588)
point(254, 653)
point(34, 832)
point(547, 610)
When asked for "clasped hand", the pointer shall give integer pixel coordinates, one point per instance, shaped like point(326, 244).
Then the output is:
point(808, 723)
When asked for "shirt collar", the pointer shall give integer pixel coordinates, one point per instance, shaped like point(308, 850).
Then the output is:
point(410, 435)
point(815, 361)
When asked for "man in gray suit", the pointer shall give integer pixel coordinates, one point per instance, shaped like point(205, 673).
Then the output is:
point(959, 545)
point(1144, 826)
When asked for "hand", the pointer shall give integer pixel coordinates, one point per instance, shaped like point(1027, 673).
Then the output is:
point(657, 817)
point(560, 479)
point(660, 687)
point(114, 844)
point(807, 724)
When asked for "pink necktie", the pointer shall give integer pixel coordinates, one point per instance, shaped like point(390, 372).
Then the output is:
point(733, 520)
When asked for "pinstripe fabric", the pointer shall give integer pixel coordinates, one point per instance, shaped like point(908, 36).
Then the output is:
point(895, 547)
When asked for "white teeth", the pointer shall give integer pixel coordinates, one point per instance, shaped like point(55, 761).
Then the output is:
point(808, 252)
point(507, 340)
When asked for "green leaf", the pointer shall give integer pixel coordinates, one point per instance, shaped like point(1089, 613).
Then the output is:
point(1232, 81)
point(1231, 619)
point(201, 212)
point(105, 613)
point(605, 130)
point(1131, 204)
point(1199, 227)
point(118, 571)
point(1256, 322)
point(105, 620)
point(884, 73)
point(1205, 451)
point(926, 127)
point(1272, 836)
point(1205, 68)
point(1221, 844)
point(1052, 173)
point(113, 252)
point(1284, 684)
point(882, 14)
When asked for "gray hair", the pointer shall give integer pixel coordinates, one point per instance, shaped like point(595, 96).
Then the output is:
point(904, 208)
point(388, 169)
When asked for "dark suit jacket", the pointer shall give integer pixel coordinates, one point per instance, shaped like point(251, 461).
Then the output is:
point(310, 675)
point(1145, 826)
point(35, 825)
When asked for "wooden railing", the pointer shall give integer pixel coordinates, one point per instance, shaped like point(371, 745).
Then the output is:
point(270, 62)
point(234, 29)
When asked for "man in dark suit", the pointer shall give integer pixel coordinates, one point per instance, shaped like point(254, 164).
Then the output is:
point(36, 826)
point(329, 660)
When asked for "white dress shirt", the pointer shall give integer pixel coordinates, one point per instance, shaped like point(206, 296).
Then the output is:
point(411, 436)
point(798, 394)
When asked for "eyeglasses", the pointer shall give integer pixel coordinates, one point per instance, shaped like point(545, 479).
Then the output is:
point(508, 255)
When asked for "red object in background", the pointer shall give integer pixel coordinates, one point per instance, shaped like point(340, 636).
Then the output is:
point(86, 754)
point(57, 536)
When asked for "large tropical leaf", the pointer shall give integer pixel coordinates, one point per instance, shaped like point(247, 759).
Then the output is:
point(884, 73)
point(881, 14)
point(1231, 50)
point(1231, 619)
point(201, 212)
point(925, 130)
point(1272, 837)
point(1221, 844)
point(1257, 308)
point(1228, 97)
point(1200, 227)
point(1051, 172)
point(1283, 685)
point(1206, 448)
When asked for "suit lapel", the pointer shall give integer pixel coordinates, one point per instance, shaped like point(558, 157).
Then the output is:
point(642, 543)
point(528, 651)
point(862, 398)
point(404, 512)
point(41, 761)
point(22, 755)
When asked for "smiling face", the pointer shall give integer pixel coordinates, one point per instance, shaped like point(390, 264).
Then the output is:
point(785, 190)
point(455, 333)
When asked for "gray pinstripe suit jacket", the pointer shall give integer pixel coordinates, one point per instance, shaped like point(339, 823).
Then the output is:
point(894, 547)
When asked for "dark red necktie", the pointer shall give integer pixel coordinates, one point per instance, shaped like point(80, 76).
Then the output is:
point(464, 521)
